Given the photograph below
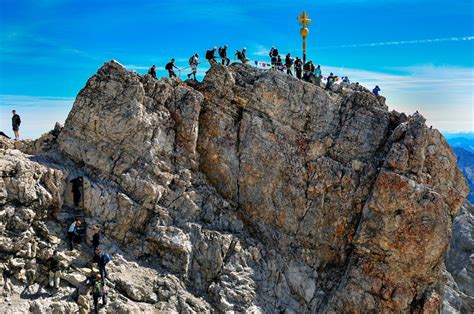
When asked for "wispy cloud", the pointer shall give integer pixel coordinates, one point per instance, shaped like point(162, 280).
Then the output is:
point(402, 42)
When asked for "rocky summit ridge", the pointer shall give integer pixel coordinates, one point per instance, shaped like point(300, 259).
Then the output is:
point(252, 191)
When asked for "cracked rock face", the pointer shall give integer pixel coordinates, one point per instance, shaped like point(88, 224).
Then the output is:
point(252, 191)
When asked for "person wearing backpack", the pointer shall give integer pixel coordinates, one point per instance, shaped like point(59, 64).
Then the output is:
point(152, 71)
point(298, 67)
point(241, 55)
point(279, 63)
point(193, 63)
point(170, 67)
point(54, 266)
point(102, 260)
point(273, 56)
point(289, 64)
point(223, 55)
point(210, 57)
point(16, 121)
point(97, 290)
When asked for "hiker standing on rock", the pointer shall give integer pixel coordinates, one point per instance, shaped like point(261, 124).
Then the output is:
point(54, 270)
point(72, 233)
point(318, 74)
point(96, 238)
point(279, 63)
point(97, 290)
point(152, 71)
point(298, 67)
point(102, 259)
point(170, 67)
point(210, 57)
point(193, 63)
point(223, 55)
point(16, 121)
point(273, 56)
point(289, 64)
point(77, 184)
point(330, 81)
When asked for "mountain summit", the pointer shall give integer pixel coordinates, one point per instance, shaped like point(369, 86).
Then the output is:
point(251, 191)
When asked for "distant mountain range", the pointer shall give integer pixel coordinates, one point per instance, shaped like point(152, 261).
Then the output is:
point(463, 146)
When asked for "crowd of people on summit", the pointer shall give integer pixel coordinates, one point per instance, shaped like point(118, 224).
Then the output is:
point(304, 71)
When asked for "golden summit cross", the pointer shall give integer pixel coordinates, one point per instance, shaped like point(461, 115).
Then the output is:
point(304, 19)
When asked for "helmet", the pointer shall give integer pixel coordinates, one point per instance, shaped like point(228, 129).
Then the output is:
point(214, 48)
point(196, 55)
point(244, 48)
point(225, 46)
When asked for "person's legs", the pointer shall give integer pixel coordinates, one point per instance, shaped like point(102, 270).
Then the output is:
point(57, 279)
point(70, 236)
point(228, 61)
point(51, 279)
point(96, 303)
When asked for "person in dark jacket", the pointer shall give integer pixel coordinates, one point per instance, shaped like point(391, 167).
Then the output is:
point(76, 190)
point(96, 238)
point(289, 64)
point(102, 260)
point(170, 67)
point(279, 63)
point(330, 80)
point(223, 55)
point(376, 90)
point(54, 266)
point(210, 57)
point(307, 71)
point(152, 71)
point(241, 55)
point(16, 121)
point(298, 67)
point(273, 56)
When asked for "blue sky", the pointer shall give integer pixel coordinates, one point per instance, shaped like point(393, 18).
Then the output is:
point(420, 52)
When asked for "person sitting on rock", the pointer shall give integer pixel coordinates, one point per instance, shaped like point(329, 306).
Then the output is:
point(330, 81)
point(241, 55)
point(210, 57)
point(97, 290)
point(223, 55)
point(376, 90)
point(77, 184)
point(72, 233)
point(152, 71)
point(102, 260)
point(54, 266)
point(170, 67)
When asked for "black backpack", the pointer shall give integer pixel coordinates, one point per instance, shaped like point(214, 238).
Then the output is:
point(222, 52)
point(169, 66)
point(239, 55)
point(275, 52)
point(209, 54)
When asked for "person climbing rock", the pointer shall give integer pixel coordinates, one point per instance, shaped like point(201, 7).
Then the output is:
point(54, 267)
point(95, 238)
point(210, 57)
point(98, 291)
point(289, 64)
point(273, 56)
point(16, 121)
point(298, 67)
point(152, 71)
point(223, 55)
point(193, 63)
point(241, 55)
point(102, 260)
point(376, 90)
point(170, 67)
point(72, 233)
point(77, 184)
point(330, 80)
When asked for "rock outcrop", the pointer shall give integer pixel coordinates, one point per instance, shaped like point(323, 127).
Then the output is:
point(251, 191)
